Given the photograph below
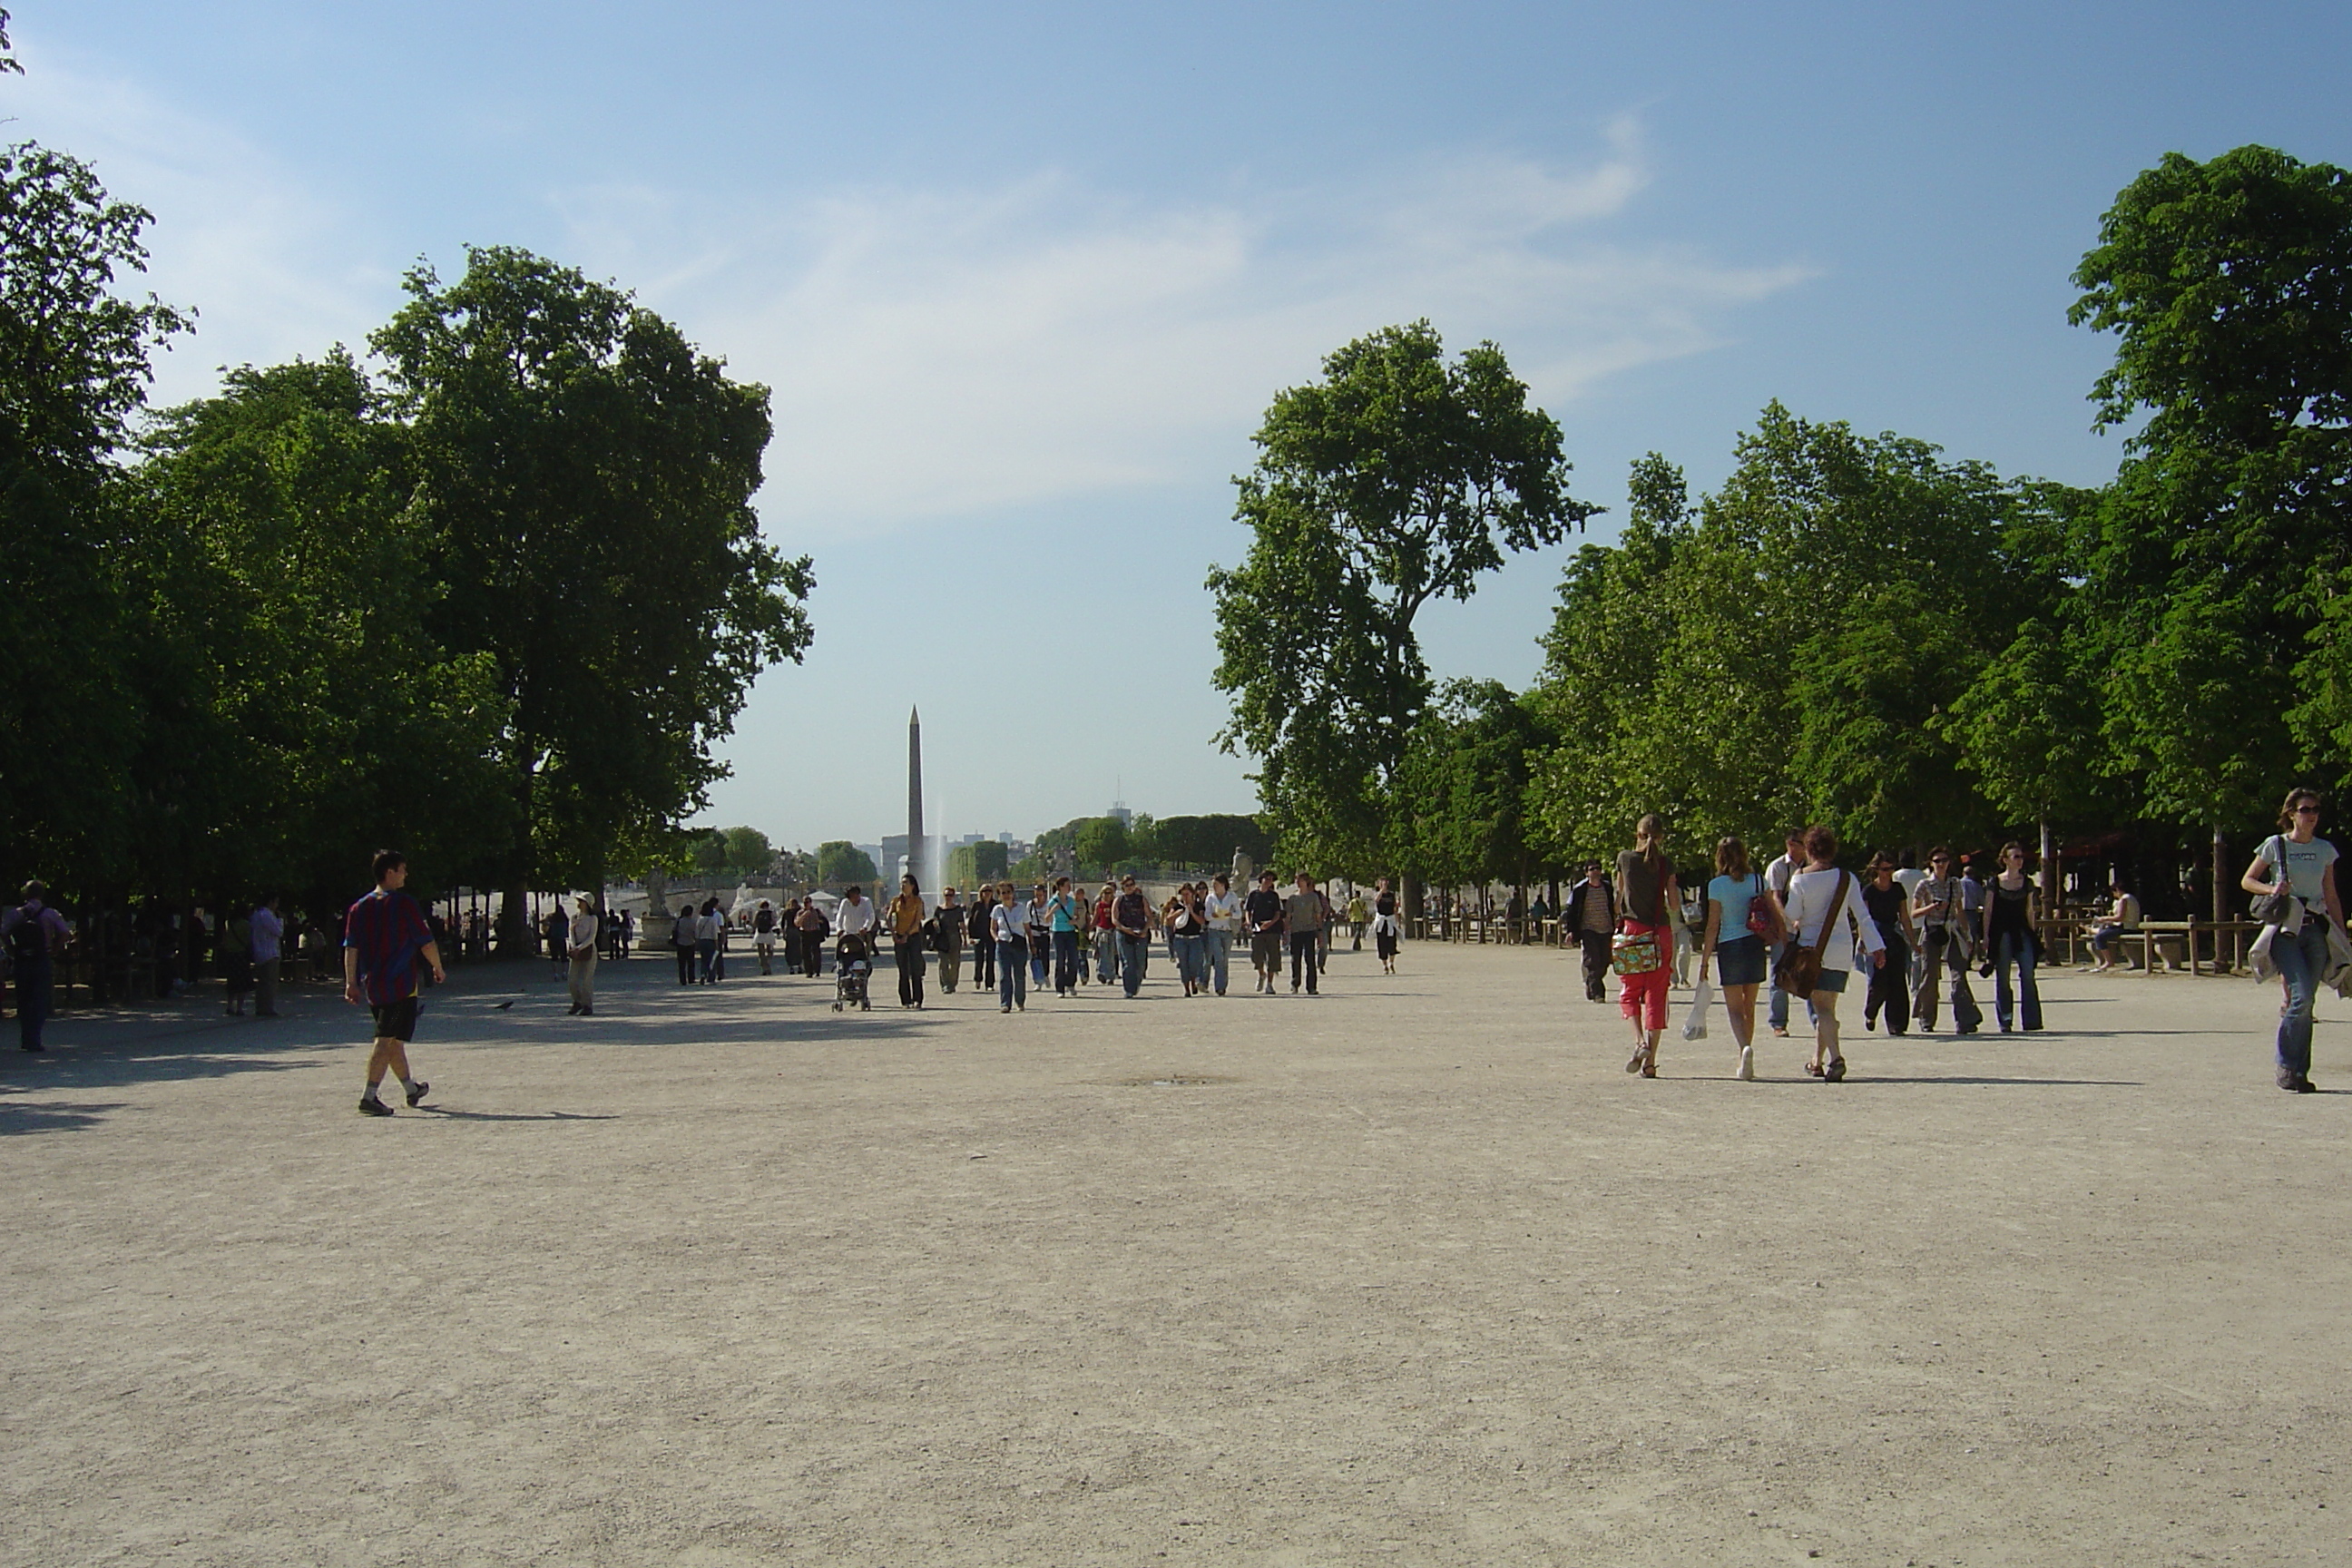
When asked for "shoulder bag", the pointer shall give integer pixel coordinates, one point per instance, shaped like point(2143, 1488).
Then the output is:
point(1763, 920)
point(1800, 969)
point(2270, 909)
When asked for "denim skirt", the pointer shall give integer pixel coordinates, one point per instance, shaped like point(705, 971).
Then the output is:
point(1739, 962)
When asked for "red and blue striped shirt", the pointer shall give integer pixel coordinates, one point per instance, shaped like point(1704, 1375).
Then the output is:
point(388, 930)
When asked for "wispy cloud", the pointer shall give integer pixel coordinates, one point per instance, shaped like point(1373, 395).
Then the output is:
point(273, 267)
point(937, 352)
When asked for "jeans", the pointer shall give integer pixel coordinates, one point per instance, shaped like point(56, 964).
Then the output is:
point(1132, 951)
point(2301, 961)
point(983, 963)
point(1777, 1013)
point(1216, 948)
point(1304, 958)
point(33, 1002)
point(2014, 948)
point(907, 951)
point(1065, 961)
point(708, 953)
point(1106, 957)
point(1040, 953)
point(1192, 961)
point(1011, 983)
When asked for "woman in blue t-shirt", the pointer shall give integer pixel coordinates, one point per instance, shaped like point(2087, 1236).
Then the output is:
point(2298, 862)
point(1737, 953)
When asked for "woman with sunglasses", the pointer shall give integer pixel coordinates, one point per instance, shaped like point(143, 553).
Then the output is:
point(1939, 913)
point(2299, 863)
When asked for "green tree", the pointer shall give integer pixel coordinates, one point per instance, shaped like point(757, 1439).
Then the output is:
point(1464, 796)
point(971, 865)
point(2220, 555)
point(296, 715)
point(1100, 842)
point(1786, 651)
point(587, 476)
point(1398, 478)
point(1209, 842)
point(840, 863)
point(73, 368)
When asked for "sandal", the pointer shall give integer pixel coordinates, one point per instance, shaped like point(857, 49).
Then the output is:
point(1813, 1069)
point(1633, 1062)
point(1836, 1071)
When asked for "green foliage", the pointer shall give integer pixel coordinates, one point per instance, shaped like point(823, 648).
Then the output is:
point(624, 606)
point(1398, 478)
point(1788, 652)
point(740, 854)
point(1206, 843)
point(297, 715)
point(1100, 842)
point(839, 863)
point(73, 367)
point(1463, 791)
point(2218, 561)
point(969, 865)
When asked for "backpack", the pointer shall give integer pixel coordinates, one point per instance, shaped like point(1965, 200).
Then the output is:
point(28, 940)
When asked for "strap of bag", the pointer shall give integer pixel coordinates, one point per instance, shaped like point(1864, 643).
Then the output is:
point(1837, 905)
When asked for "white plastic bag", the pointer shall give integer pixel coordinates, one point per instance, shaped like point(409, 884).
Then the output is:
point(1695, 1021)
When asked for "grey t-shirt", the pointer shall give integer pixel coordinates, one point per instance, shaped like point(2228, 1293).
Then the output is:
point(2307, 864)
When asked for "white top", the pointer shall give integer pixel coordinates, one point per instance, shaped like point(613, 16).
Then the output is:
point(1908, 878)
point(1224, 912)
point(853, 920)
point(1811, 893)
point(1777, 874)
point(585, 929)
point(1010, 922)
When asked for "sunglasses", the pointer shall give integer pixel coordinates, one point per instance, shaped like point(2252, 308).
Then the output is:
point(2306, 811)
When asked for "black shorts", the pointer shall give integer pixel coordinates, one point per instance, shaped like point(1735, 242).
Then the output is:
point(396, 1020)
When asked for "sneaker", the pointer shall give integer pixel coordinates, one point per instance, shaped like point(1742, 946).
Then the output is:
point(419, 1092)
point(2305, 1086)
point(370, 1106)
point(1748, 1064)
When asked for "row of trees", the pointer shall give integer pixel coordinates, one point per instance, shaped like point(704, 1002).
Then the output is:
point(1851, 628)
point(490, 596)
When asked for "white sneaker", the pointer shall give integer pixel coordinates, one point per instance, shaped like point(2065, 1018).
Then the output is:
point(1748, 1064)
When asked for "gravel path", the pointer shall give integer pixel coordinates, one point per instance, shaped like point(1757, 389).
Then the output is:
point(1412, 1272)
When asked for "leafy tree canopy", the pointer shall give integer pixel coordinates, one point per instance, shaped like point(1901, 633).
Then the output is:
point(1399, 477)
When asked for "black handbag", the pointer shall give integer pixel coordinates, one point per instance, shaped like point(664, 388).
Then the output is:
point(2270, 909)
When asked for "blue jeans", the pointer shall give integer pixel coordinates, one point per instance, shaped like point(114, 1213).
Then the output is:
point(2300, 961)
point(2015, 949)
point(708, 953)
point(1012, 984)
point(1132, 951)
point(1192, 960)
point(1065, 961)
point(1216, 947)
point(1040, 953)
point(1776, 1009)
point(34, 1004)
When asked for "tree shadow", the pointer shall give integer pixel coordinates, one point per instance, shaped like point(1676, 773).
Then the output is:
point(18, 1117)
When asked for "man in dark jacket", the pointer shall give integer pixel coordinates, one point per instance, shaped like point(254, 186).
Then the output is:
point(1591, 924)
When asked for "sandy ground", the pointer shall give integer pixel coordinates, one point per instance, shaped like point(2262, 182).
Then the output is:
point(1412, 1272)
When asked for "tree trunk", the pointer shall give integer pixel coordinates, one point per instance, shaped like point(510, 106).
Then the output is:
point(514, 914)
point(2220, 900)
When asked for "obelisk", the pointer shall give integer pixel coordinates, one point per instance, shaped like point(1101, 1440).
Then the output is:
point(915, 793)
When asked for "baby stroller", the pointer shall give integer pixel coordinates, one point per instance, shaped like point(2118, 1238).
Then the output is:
point(852, 966)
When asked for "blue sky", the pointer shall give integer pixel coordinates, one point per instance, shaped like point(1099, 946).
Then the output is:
point(1024, 279)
